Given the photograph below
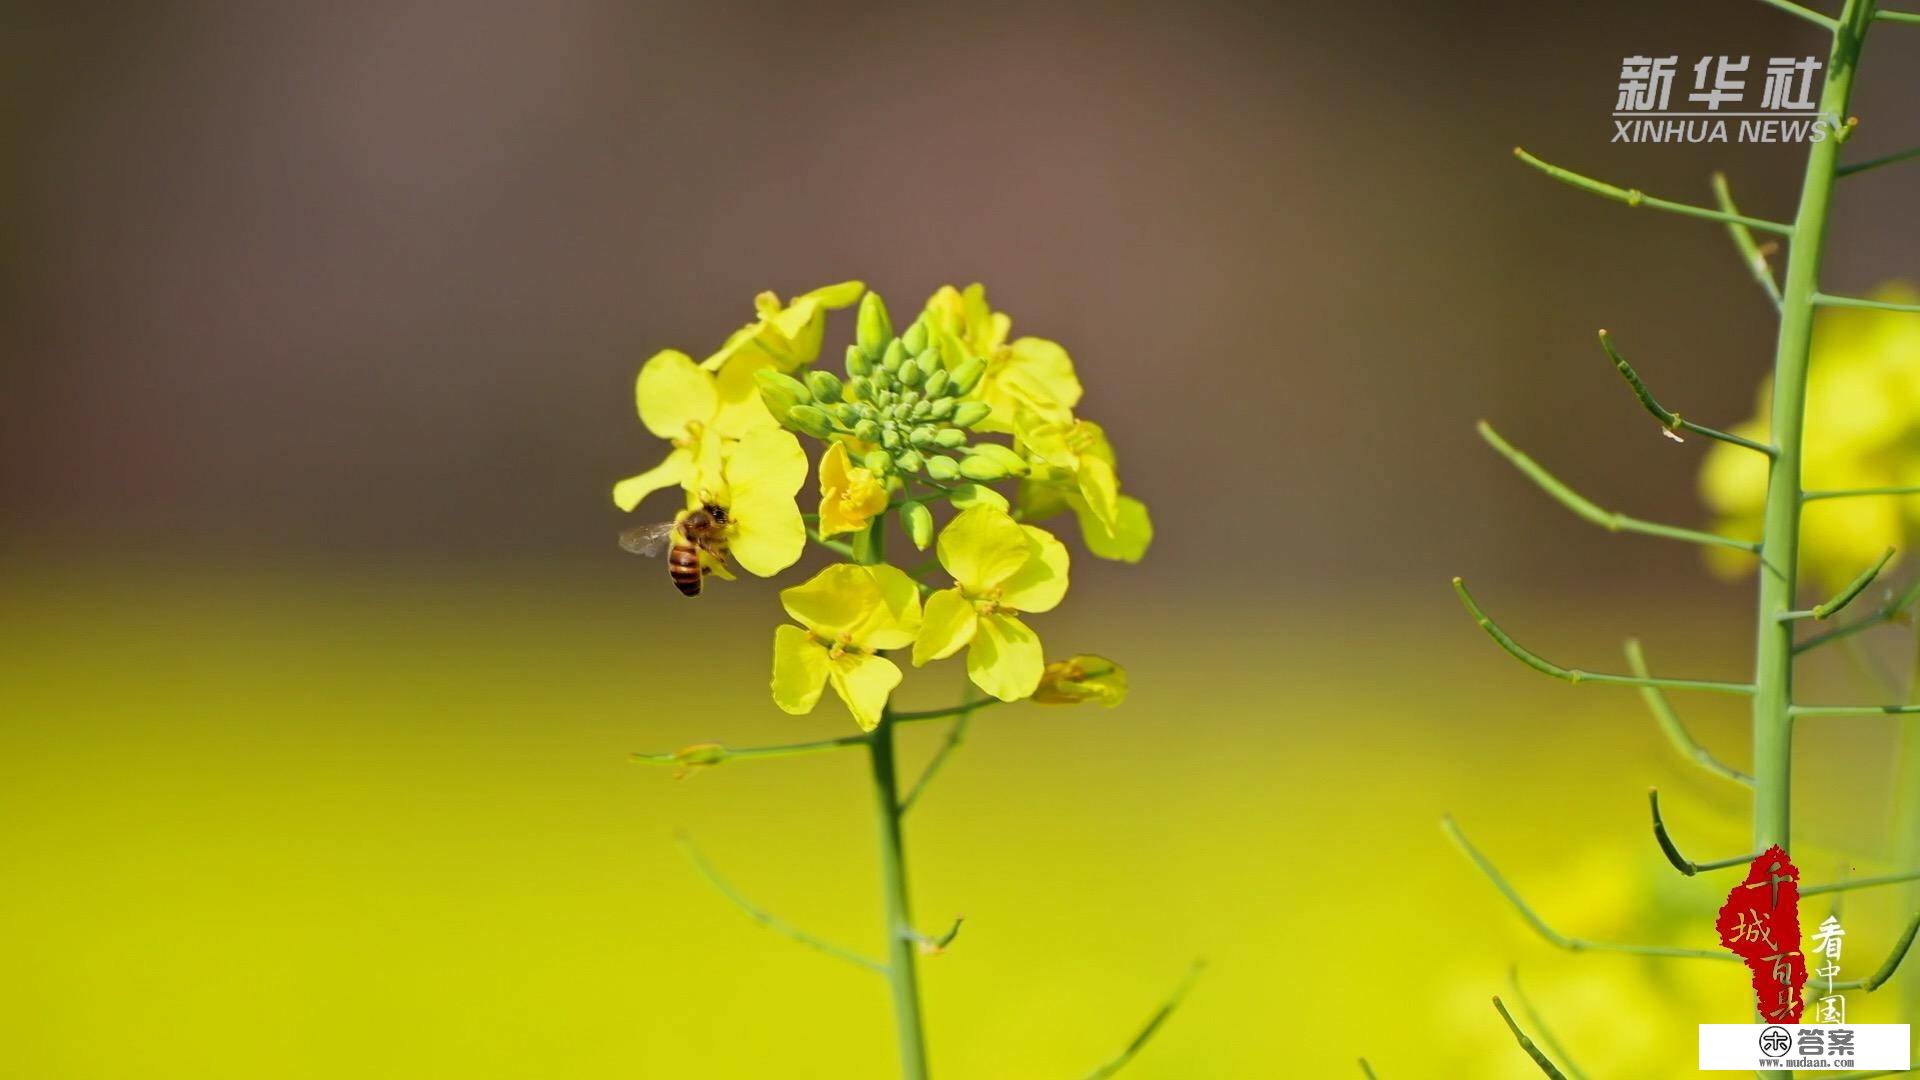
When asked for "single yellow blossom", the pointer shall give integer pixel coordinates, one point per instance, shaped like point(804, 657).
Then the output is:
point(1029, 373)
point(850, 495)
point(1000, 569)
point(847, 614)
point(680, 402)
point(1075, 453)
point(1082, 678)
point(1862, 431)
point(759, 476)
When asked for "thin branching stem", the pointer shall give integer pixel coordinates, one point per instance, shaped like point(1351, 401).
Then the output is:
point(1824, 611)
point(955, 736)
point(838, 547)
point(951, 710)
point(1586, 510)
point(1635, 197)
point(1808, 14)
point(1680, 862)
point(1750, 250)
point(1802, 712)
point(1874, 163)
point(1856, 493)
point(1540, 1025)
point(769, 920)
point(934, 946)
point(1670, 420)
point(1539, 1056)
point(1366, 1070)
point(1888, 966)
point(1575, 675)
point(1669, 721)
point(1152, 1025)
point(1555, 937)
point(1852, 883)
point(1894, 609)
point(1898, 17)
point(1828, 300)
point(714, 753)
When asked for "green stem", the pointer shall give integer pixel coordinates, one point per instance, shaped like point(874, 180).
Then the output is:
point(1887, 159)
point(1825, 300)
point(901, 972)
point(1749, 248)
point(1636, 197)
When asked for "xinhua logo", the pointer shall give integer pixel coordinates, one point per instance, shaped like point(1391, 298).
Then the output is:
point(1776, 1041)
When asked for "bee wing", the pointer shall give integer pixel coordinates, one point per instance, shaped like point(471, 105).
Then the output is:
point(649, 540)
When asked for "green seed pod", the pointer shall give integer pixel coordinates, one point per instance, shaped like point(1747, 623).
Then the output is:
point(941, 467)
point(858, 362)
point(780, 394)
point(911, 375)
point(917, 521)
point(921, 409)
point(921, 436)
point(895, 355)
point(908, 461)
point(877, 462)
point(874, 328)
point(867, 431)
point(942, 409)
point(810, 419)
point(982, 468)
point(937, 383)
point(969, 413)
point(890, 438)
point(825, 386)
point(847, 413)
point(949, 437)
point(916, 336)
point(967, 375)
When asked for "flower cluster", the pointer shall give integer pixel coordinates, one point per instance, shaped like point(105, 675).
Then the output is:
point(934, 414)
point(1862, 431)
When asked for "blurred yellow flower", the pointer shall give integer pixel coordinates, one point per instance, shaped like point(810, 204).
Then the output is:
point(850, 495)
point(849, 613)
point(759, 476)
point(1083, 678)
point(785, 337)
point(1001, 568)
point(1029, 373)
point(1862, 431)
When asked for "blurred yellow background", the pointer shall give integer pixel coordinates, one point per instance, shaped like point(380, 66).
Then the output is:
point(321, 665)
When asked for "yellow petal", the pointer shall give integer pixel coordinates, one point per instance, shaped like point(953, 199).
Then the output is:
point(946, 628)
point(982, 547)
point(894, 620)
point(1005, 659)
point(1130, 537)
point(799, 670)
point(1041, 583)
point(676, 469)
point(864, 682)
point(768, 460)
point(1101, 490)
point(768, 534)
point(672, 393)
point(835, 601)
point(740, 408)
point(1082, 678)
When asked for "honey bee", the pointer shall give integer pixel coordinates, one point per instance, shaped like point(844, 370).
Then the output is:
point(701, 531)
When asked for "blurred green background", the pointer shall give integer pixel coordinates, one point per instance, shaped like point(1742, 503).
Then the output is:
point(321, 666)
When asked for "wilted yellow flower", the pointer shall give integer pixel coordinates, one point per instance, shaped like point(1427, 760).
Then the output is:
point(850, 612)
point(1000, 568)
point(850, 495)
point(1862, 431)
point(1030, 373)
point(1083, 678)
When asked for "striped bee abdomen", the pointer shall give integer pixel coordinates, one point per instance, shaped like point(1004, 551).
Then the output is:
point(683, 565)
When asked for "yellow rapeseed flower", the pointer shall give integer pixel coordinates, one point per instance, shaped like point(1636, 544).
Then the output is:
point(680, 402)
point(785, 337)
point(850, 495)
point(847, 614)
point(1000, 569)
point(759, 476)
point(1028, 373)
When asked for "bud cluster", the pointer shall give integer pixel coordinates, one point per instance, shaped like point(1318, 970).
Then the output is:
point(900, 401)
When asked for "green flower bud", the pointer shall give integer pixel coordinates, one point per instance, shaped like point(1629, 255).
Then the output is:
point(916, 336)
point(908, 461)
point(921, 409)
point(1013, 463)
point(877, 462)
point(874, 328)
point(917, 521)
point(896, 355)
point(967, 375)
point(921, 436)
point(810, 419)
point(928, 362)
point(938, 382)
point(860, 387)
point(824, 385)
point(867, 412)
point(982, 468)
point(911, 375)
point(867, 431)
point(780, 392)
point(847, 413)
point(890, 438)
point(941, 467)
point(951, 438)
point(900, 411)
point(942, 409)
point(969, 413)
point(858, 362)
